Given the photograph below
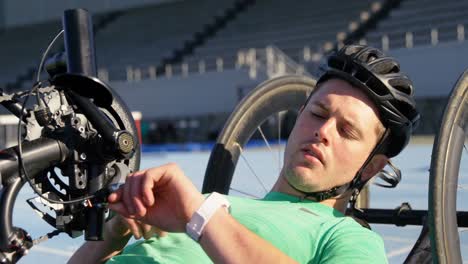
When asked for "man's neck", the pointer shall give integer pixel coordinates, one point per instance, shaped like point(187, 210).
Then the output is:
point(339, 203)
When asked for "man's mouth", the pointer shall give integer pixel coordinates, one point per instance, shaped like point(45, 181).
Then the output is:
point(313, 152)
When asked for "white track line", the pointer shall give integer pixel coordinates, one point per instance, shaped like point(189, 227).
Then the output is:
point(53, 251)
point(400, 251)
point(398, 239)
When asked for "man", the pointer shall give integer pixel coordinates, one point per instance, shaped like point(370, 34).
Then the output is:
point(360, 114)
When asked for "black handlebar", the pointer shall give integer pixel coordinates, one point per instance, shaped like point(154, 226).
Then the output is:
point(37, 155)
point(79, 42)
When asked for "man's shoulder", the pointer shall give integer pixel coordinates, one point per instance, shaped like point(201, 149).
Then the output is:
point(351, 225)
point(348, 241)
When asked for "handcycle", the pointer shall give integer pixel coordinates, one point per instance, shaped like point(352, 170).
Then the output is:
point(78, 114)
point(80, 144)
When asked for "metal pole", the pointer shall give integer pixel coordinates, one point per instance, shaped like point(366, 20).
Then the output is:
point(79, 42)
point(363, 198)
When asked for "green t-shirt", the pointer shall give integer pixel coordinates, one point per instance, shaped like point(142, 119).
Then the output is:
point(307, 231)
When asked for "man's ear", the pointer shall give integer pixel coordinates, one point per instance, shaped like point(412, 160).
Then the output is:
point(376, 164)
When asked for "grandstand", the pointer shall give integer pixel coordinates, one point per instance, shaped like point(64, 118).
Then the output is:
point(270, 23)
point(143, 37)
point(185, 64)
point(421, 23)
point(21, 48)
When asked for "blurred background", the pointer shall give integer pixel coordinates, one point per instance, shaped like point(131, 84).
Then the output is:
point(185, 64)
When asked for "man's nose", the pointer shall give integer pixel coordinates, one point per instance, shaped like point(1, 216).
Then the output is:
point(324, 131)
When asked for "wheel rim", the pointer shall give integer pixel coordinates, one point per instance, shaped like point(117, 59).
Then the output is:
point(445, 171)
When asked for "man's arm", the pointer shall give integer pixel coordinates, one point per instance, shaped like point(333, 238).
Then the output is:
point(101, 251)
point(227, 241)
point(165, 197)
point(117, 233)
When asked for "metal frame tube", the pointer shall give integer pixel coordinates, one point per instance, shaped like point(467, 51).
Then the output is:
point(79, 42)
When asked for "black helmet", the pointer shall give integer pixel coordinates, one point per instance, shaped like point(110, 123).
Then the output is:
point(380, 78)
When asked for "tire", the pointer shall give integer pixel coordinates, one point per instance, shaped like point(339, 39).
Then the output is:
point(443, 184)
point(270, 97)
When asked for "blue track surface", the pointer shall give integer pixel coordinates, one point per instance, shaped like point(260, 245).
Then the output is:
point(194, 146)
point(414, 163)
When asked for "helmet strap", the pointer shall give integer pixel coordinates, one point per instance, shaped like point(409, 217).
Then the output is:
point(357, 183)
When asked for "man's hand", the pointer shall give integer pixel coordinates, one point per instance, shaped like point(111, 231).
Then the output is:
point(162, 197)
point(120, 227)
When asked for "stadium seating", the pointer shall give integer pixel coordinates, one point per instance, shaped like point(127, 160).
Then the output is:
point(137, 41)
point(421, 22)
point(22, 47)
point(143, 37)
point(288, 26)
point(140, 36)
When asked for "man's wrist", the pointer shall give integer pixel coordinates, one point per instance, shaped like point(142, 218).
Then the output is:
point(194, 205)
point(203, 214)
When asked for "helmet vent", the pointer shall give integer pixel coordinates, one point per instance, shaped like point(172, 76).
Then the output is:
point(362, 76)
point(376, 87)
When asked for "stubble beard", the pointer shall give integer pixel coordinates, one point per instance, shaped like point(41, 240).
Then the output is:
point(300, 177)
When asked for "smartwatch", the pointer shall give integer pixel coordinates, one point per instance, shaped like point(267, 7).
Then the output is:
point(200, 218)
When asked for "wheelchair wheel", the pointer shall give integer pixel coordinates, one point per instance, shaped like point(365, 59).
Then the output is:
point(268, 99)
point(448, 164)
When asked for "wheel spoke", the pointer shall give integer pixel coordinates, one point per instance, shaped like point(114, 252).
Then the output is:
point(265, 140)
point(250, 168)
point(242, 192)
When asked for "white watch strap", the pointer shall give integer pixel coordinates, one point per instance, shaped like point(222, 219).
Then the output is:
point(201, 217)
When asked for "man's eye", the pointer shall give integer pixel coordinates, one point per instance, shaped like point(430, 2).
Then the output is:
point(347, 134)
point(318, 115)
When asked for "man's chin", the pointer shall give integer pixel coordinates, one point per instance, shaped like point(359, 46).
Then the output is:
point(302, 179)
point(306, 172)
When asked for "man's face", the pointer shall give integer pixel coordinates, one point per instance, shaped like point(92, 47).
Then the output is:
point(333, 136)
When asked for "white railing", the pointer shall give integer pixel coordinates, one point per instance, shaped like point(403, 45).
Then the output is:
point(270, 60)
point(278, 63)
point(408, 39)
point(273, 62)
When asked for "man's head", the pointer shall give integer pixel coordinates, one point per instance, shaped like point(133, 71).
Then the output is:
point(360, 114)
point(332, 138)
